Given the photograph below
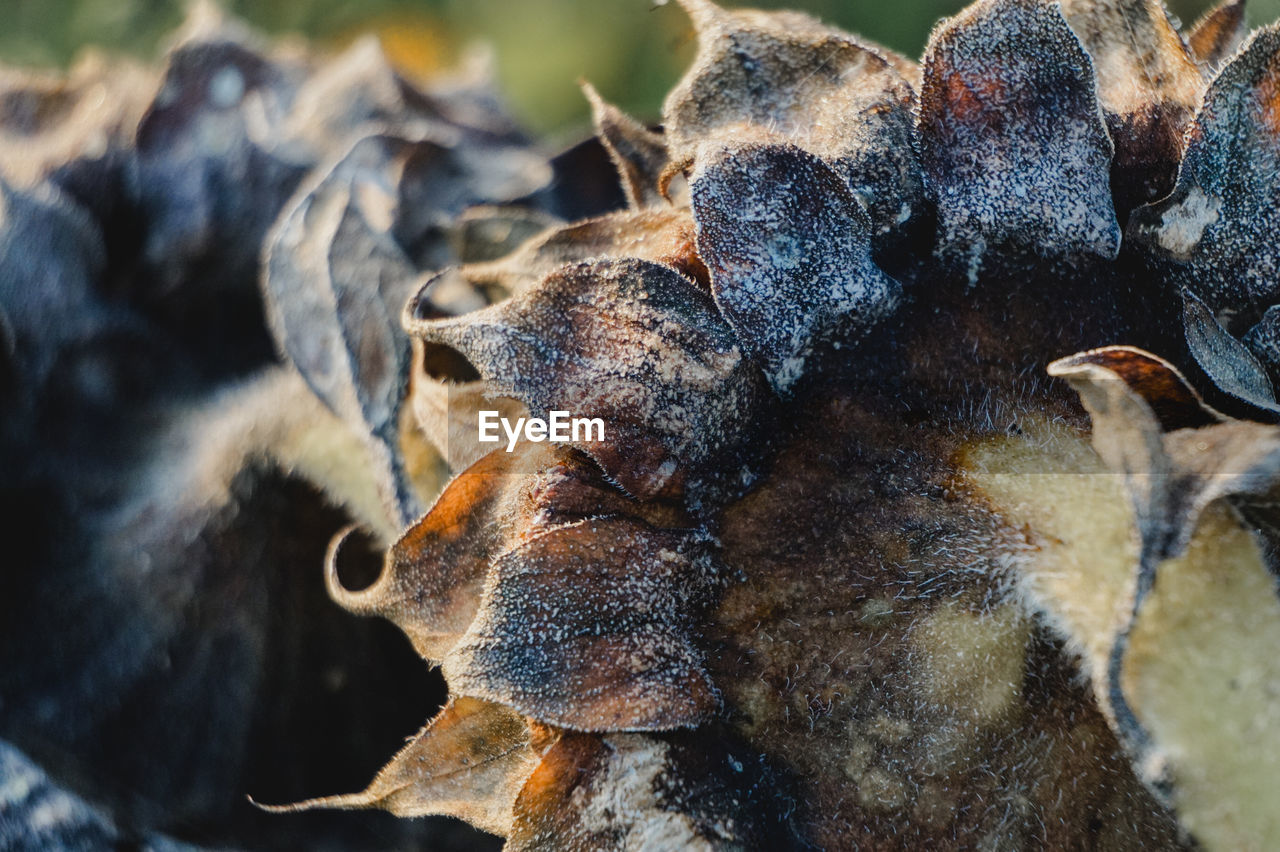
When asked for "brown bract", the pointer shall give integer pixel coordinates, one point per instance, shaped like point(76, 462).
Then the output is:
point(627, 791)
point(1218, 34)
point(789, 249)
point(638, 153)
point(631, 342)
point(1014, 147)
point(1149, 87)
point(784, 78)
point(469, 762)
point(1216, 228)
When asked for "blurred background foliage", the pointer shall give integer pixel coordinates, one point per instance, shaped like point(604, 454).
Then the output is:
point(632, 50)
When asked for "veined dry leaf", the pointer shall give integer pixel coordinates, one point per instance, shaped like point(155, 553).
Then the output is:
point(1014, 147)
point(1149, 87)
point(1218, 34)
point(631, 342)
point(789, 249)
point(1226, 361)
point(784, 78)
point(335, 279)
point(1217, 227)
point(586, 626)
point(469, 762)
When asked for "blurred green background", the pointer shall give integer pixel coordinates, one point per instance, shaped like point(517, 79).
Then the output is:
point(632, 50)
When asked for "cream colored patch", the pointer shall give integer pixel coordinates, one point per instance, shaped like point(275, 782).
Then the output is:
point(1202, 674)
point(1081, 550)
point(1183, 225)
point(625, 797)
point(972, 665)
point(880, 790)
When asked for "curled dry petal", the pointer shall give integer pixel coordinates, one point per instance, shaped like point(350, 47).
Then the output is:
point(662, 235)
point(587, 626)
point(433, 576)
point(335, 280)
point(1014, 146)
point(1196, 627)
point(1171, 398)
point(639, 153)
point(1218, 34)
point(789, 249)
point(628, 341)
point(446, 399)
point(469, 762)
point(1149, 87)
point(1218, 226)
point(784, 77)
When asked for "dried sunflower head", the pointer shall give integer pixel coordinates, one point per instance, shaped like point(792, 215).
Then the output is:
point(850, 565)
point(818, 336)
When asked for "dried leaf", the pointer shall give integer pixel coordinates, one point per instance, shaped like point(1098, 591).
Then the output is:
point(489, 232)
point(1149, 87)
point(209, 133)
point(1218, 34)
point(639, 153)
point(662, 235)
point(631, 791)
point(63, 340)
point(628, 341)
point(335, 280)
point(1217, 227)
point(448, 410)
point(469, 762)
point(1173, 401)
point(789, 248)
point(1014, 146)
point(1192, 652)
point(587, 626)
point(433, 576)
point(53, 123)
point(779, 78)
point(1225, 360)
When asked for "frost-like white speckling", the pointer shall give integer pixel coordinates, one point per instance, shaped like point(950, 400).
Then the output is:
point(783, 77)
point(1009, 101)
point(1228, 189)
point(789, 250)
